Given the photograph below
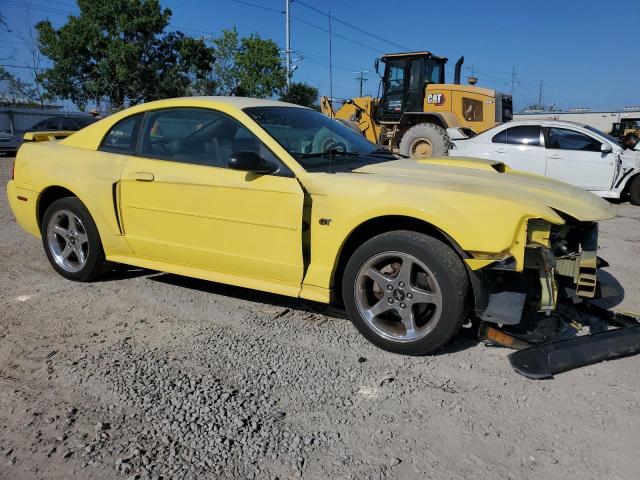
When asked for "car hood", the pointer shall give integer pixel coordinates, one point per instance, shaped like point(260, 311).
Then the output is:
point(495, 179)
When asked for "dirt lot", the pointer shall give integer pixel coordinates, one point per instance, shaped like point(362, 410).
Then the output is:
point(149, 375)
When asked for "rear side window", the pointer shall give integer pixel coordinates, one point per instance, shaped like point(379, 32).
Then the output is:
point(123, 136)
point(500, 137)
point(68, 124)
point(564, 139)
point(52, 124)
point(48, 124)
point(528, 135)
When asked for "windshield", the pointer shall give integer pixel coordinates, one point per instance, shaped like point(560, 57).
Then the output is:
point(317, 142)
point(613, 140)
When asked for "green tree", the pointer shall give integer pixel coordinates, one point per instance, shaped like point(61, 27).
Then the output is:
point(301, 94)
point(248, 66)
point(117, 52)
point(14, 91)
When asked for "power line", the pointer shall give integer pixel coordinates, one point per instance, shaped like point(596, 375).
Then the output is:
point(355, 27)
point(350, 66)
point(33, 6)
point(255, 5)
point(298, 19)
point(308, 23)
point(20, 66)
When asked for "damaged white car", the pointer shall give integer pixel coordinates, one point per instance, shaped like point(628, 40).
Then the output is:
point(571, 152)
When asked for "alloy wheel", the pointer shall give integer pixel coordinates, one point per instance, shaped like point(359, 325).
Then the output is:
point(68, 241)
point(398, 296)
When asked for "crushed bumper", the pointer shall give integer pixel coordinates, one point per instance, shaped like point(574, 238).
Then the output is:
point(538, 355)
point(544, 361)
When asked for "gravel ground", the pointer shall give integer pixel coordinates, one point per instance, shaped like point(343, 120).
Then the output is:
point(150, 375)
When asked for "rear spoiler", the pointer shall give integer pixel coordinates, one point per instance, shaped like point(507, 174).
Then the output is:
point(46, 136)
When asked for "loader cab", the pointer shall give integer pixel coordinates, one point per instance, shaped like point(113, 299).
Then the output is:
point(404, 81)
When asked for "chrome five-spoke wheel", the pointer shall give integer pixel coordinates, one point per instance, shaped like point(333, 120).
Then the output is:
point(398, 296)
point(68, 241)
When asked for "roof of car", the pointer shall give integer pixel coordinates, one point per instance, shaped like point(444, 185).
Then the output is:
point(91, 136)
point(559, 123)
point(237, 102)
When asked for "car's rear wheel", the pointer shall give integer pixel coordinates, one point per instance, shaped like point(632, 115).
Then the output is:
point(71, 241)
point(406, 292)
point(634, 190)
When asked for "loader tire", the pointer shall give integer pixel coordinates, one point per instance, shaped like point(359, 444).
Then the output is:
point(424, 140)
point(634, 190)
point(351, 124)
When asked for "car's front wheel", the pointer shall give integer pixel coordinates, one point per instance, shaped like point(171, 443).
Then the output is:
point(71, 240)
point(406, 292)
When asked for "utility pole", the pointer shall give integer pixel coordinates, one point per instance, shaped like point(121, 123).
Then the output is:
point(287, 47)
point(513, 80)
point(540, 95)
point(361, 78)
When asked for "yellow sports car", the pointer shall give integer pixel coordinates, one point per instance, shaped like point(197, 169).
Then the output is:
point(280, 198)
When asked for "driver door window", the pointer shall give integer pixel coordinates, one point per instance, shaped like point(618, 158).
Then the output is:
point(198, 137)
point(564, 139)
point(575, 157)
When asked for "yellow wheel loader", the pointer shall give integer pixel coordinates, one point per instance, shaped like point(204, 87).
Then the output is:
point(417, 106)
point(626, 127)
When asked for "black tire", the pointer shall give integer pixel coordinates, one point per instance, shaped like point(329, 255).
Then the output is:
point(634, 190)
point(434, 135)
point(448, 270)
point(95, 264)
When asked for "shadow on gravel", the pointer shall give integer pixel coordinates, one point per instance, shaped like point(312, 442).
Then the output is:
point(464, 339)
point(303, 306)
point(124, 272)
point(611, 290)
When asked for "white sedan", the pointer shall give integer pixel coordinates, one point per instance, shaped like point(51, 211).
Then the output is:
point(566, 151)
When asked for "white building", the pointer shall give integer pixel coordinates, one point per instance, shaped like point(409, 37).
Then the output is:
point(602, 120)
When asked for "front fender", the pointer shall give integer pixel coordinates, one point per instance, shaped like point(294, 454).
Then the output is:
point(485, 225)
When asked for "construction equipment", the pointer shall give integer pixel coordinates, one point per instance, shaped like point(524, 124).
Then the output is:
point(417, 106)
point(626, 127)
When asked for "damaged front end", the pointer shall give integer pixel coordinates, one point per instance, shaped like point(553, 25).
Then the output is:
point(538, 298)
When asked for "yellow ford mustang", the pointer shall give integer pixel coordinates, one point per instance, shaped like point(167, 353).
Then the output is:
point(280, 198)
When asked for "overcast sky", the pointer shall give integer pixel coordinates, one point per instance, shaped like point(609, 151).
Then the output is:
point(585, 52)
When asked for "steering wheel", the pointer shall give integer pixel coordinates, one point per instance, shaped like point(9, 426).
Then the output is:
point(330, 144)
point(161, 142)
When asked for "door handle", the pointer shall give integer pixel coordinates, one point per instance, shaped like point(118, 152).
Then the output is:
point(143, 176)
point(500, 150)
point(555, 156)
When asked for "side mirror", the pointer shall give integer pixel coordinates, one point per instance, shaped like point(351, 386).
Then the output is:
point(376, 64)
point(250, 161)
point(606, 148)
